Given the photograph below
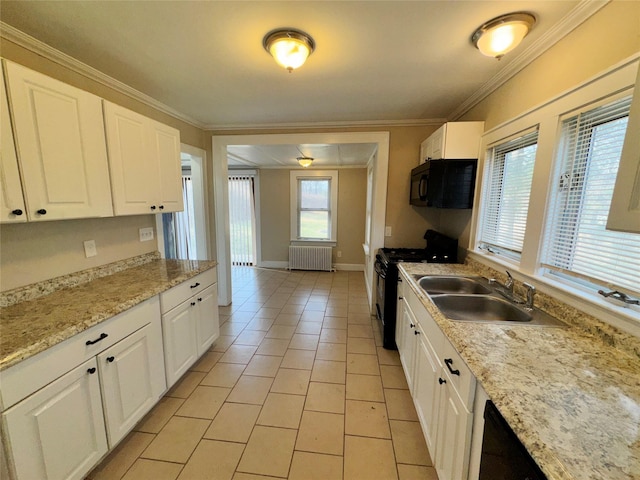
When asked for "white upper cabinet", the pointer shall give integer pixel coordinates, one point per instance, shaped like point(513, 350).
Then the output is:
point(144, 158)
point(624, 214)
point(453, 140)
point(11, 199)
point(59, 134)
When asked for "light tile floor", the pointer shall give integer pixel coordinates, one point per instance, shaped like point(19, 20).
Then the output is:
point(297, 386)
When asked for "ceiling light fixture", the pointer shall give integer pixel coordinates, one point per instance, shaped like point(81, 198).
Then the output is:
point(502, 34)
point(305, 161)
point(289, 47)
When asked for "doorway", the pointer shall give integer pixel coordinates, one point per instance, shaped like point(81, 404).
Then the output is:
point(379, 165)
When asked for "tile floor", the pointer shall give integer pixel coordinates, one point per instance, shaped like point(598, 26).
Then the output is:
point(297, 386)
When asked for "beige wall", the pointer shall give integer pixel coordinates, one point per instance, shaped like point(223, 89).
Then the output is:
point(275, 215)
point(38, 251)
point(32, 252)
point(608, 37)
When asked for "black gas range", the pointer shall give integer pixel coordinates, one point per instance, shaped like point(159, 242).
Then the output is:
point(439, 249)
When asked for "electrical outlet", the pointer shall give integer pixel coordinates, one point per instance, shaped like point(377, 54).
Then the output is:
point(339, 253)
point(146, 234)
point(90, 248)
point(387, 231)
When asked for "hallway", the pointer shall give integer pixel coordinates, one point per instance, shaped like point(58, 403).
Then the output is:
point(295, 387)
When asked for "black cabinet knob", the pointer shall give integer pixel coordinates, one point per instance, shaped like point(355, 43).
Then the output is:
point(153, 207)
point(412, 325)
point(193, 303)
point(200, 299)
point(91, 370)
point(161, 207)
point(110, 359)
point(441, 381)
point(416, 332)
point(400, 298)
point(17, 212)
point(42, 211)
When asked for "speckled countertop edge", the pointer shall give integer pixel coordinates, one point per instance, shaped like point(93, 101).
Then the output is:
point(31, 326)
point(572, 398)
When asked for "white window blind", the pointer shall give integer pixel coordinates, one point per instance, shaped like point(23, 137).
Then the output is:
point(506, 199)
point(314, 208)
point(576, 241)
point(242, 220)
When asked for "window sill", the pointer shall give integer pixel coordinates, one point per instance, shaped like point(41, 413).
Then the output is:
point(313, 243)
point(626, 319)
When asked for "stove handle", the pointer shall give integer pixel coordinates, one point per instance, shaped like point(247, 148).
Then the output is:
point(379, 271)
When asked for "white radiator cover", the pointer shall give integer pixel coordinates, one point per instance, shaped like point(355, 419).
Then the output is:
point(310, 258)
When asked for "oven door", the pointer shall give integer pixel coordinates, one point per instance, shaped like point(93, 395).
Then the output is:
point(381, 276)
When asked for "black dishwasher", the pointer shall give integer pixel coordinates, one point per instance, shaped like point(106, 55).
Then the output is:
point(503, 455)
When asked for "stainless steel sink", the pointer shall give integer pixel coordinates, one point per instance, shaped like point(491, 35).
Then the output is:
point(440, 284)
point(480, 308)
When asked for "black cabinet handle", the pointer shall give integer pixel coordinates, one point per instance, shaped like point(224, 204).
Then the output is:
point(102, 337)
point(17, 212)
point(448, 362)
point(200, 299)
point(42, 211)
point(110, 359)
point(153, 207)
point(91, 370)
point(193, 303)
point(161, 207)
point(416, 332)
point(197, 284)
point(441, 381)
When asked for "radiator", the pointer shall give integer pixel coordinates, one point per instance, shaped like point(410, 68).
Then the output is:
point(310, 258)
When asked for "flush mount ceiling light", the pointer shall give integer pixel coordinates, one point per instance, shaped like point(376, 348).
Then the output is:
point(289, 47)
point(305, 161)
point(502, 34)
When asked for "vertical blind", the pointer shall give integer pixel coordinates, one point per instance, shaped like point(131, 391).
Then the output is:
point(242, 219)
point(506, 199)
point(576, 240)
point(185, 223)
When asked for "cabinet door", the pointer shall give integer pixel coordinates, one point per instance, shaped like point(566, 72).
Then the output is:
point(180, 344)
point(59, 132)
point(208, 328)
point(135, 176)
point(132, 379)
point(58, 432)
point(407, 354)
point(437, 139)
point(11, 199)
point(165, 142)
point(427, 391)
point(454, 435)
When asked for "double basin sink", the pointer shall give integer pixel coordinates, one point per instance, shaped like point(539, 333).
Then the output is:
point(473, 299)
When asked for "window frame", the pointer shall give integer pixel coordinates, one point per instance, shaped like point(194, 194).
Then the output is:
point(294, 178)
point(619, 79)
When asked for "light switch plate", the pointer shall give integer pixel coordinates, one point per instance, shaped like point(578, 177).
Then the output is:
point(387, 231)
point(90, 248)
point(146, 234)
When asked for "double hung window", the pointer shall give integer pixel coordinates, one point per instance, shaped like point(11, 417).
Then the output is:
point(314, 205)
point(577, 245)
point(506, 197)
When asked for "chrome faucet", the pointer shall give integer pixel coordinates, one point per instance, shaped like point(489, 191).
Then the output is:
point(531, 291)
point(507, 287)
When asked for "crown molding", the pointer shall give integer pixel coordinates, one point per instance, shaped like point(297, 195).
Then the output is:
point(418, 122)
point(34, 45)
point(583, 11)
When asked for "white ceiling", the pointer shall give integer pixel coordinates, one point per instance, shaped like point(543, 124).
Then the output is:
point(375, 61)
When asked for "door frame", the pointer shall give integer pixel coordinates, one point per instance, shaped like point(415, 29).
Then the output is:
point(379, 161)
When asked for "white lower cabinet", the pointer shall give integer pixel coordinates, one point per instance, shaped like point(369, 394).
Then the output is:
point(190, 322)
point(441, 385)
point(131, 379)
point(67, 406)
point(58, 432)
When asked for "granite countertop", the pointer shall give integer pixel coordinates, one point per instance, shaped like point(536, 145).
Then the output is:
point(572, 397)
point(31, 326)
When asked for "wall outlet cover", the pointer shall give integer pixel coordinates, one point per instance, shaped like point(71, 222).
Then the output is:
point(90, 248)
point(146, 234)
point(387, 231)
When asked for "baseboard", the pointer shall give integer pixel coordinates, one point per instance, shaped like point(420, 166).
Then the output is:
point(351, 267)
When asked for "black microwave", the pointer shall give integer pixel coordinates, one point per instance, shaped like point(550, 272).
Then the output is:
point(443, 184)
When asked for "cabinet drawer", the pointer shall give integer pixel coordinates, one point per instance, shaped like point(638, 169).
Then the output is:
point(427, 324)
point(463, 382)
point(34, 373)
point(180, 293)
